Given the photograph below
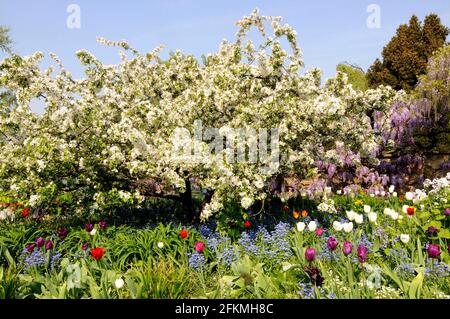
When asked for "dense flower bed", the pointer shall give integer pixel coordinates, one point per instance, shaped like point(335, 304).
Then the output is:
point(368, 246)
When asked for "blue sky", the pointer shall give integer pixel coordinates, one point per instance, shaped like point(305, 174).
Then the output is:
point(329, 32)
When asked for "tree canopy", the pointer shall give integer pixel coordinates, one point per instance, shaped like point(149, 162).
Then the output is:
point(406, 55)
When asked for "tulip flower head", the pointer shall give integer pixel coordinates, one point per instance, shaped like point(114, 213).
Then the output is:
point(301, 226)
point(48, 244)
point(319, 231)
point(25, 212)
point(432, 230)
point(199, 247)
point(348, 227)
point(119, 283)
point(362, 252)
point(62, 233)
point(433, 251)
point(404, 238)
point(98, 253)
point(312, 226)
point(332, 243)
point(102, 224)
point(337, 226)
point(410, 211)
point(347, 248)
point(40, 242)
point(30, 248)
point(310, 254)
point(247, 224)
point(184, 233)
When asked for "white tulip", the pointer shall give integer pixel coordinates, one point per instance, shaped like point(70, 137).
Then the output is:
point(372, 217)
point(394, 194)
point(119, 283)
point(350, 214)
point(391, 189)
point(383, 193)
point(312, 226)
point(372, 195)
point(339, 192)
point(348, 227)
point(160, 244)
point(301, 226)
point(367, 209)
point(93, 232)
point(387, 211)
point(404, 238)
point(405, 209)
point(337, 226)
point(409, 195)
point(359, 218)
point(286, 267)
point(394, 215)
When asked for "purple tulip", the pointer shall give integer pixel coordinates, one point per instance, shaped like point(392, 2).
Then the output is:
point(448, 248)
point(362, 253)
point(433, 251)
point(48, 244)
point(62, 233)
point(347, 248)
point(89, 227)
point(102, 224)
point(432, 230)
point(332, 243)
point(310, 254)
point(40, 242)
point(447, 212)
point(30, 248)
point(85, 246)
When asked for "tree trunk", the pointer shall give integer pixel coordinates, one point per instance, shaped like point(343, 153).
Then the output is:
point(187, 203)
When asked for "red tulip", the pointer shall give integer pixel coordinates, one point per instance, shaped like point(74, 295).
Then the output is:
point(25, 212)
point(199, 247)
point(247, 224)
point(97, 253)
point(410, 211)
point(184, 233)
point(319, 231)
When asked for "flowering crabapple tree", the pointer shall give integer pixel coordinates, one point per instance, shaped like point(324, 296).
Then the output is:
point(109, 136)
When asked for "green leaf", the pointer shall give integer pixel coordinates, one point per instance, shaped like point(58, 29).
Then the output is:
point(444, 233)
point(416, 286)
